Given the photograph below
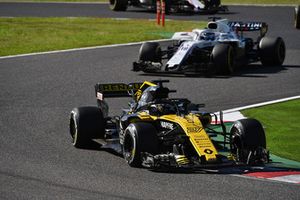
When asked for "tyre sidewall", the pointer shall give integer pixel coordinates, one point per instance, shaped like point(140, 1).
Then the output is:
point(118, 5)
point(139, 137)
point(223, 58)
point(250, 133)
point(247, 135)
point(150, 51)
point(132, 158)
point(297, 17)
point(86, 123)
point(272, 51)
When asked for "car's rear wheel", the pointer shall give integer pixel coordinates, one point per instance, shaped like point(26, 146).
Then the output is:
point(297, 17)
point(139, 137)
point(212, 6)
point(86, 123)
point(118, 5)
point(223, 58)
point(248, 141)
point(272, 51)
point(150, 51)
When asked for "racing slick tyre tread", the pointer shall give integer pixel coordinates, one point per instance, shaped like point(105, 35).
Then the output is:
point(139, 137)
point(297, 17)
point(272, 51)
point(118, 5)
point(150, 51)
point(223, 58)
point(247, 135)
point(86, 123)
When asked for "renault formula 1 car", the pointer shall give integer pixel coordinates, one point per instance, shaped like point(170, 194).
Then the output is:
point(157, 131)
point(204, 6)
point(219, 49)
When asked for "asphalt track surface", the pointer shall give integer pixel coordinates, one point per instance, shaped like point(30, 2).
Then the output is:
point(37, 92)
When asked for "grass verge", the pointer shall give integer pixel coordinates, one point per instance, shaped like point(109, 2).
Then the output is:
point(281, 122)
point(28, 35)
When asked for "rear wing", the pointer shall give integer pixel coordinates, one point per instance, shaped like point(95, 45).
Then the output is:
point(249, 26)
point(124, 90)
point(115, 90)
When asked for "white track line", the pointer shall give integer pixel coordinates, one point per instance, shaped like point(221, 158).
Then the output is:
point(289, 178)
point(82, 49)
point(261, 104)
point(235, 114)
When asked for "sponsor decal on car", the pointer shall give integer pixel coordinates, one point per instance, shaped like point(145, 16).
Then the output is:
point(166, 125)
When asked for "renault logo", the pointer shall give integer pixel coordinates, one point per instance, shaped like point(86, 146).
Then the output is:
point(208, 151)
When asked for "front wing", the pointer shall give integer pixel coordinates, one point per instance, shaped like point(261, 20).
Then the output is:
point(158, 68)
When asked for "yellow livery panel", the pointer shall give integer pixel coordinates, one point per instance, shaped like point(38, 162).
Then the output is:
point(197, 135)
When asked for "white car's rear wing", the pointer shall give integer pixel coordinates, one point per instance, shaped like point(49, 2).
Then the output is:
point(248, 26)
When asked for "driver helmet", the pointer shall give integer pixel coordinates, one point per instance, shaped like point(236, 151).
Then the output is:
point(207, 35)
point(153, 93)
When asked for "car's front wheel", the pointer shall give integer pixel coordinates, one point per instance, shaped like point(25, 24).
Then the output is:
point(248, 141)
point(150, 51)
point(223, 58)
point(118, 5)
point(138, 138)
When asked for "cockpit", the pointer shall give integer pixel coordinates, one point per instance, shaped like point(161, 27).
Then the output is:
point(207, 35)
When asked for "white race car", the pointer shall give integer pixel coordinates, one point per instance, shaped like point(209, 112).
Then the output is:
point(220, 48)
point(208, 6)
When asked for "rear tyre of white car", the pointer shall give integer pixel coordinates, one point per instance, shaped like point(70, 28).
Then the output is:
point(223, 58)
point(86, 123)
point(272, 51)
point(297, 17)
point(138, 138)
point(150, 51)
point(118, 5)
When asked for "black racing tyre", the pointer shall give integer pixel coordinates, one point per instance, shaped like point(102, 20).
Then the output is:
point(212, 6)
point(297, 17)
point(86, 123)
point(118, 5)
point(168, 6)
point(272, 51)
point(223, 58)
point(139, 137)
point(247, 135)
point(214, 3)
point(150, 51)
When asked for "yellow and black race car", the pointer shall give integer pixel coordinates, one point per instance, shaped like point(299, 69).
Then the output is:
point(158, 131)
